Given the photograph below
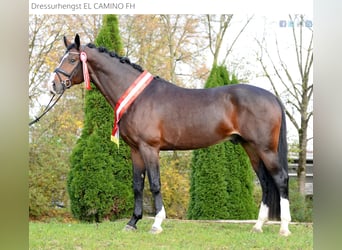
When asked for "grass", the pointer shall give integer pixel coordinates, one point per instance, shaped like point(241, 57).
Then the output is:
point(176, 235)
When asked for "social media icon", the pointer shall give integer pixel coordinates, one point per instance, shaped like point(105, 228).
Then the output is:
point(290, 24)
point(308, 23)
point(282, 23)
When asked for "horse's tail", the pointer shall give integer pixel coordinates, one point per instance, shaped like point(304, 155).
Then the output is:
point(282, 143)
point(272, 197)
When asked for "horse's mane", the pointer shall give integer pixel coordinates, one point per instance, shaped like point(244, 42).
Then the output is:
point(113, 54)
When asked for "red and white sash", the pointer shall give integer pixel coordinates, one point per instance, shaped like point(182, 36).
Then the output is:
point(127, 99)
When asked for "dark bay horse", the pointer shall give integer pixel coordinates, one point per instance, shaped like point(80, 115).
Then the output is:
point(163, 116)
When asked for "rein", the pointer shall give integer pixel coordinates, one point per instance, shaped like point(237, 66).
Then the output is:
point(47, 108)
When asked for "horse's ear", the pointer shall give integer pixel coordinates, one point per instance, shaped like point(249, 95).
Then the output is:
point(77, 41)
point(66, 42)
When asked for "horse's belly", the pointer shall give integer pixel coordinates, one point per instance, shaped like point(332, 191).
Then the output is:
point(191, 139)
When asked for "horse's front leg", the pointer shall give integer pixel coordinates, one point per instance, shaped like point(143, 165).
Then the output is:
point(151, 159)
point(154, 179)
point(138, 188)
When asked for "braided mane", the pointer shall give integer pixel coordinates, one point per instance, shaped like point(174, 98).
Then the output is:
point(113, 54)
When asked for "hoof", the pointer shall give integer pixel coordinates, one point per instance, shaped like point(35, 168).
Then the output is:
point(129, 228)
point(156, 230)
point(285, 233)
point(257, 230)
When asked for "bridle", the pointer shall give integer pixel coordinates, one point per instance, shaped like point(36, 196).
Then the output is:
point(67, 82)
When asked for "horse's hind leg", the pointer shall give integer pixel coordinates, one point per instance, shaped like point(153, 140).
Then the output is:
point(259, 169)
point(151, 159)
point(264, 209)
point(280, 177)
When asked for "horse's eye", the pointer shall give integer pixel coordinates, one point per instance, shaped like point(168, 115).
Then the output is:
point(72, 60)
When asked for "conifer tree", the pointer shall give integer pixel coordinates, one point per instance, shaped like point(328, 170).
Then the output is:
point(99, 182)
point(221, 175)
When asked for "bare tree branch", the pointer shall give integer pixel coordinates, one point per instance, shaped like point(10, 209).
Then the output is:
point(209, 34)
point(298, 48)
point(236, 38)
point(292, 119)
point(215, 43)
point(309, 62)
point(294, 91)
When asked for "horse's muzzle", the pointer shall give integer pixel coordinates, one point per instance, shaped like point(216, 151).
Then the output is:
point(56, 88)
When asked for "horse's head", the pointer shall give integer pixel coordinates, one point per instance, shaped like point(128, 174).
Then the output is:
point(69, 70)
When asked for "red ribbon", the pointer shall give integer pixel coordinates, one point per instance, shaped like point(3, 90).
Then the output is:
point(83, 57)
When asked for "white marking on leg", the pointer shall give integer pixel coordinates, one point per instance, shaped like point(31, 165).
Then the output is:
point(285, 217)
point(262, 217)
point(156, 227)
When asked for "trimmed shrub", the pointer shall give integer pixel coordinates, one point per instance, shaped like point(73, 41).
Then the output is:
point(300, 206)
point(99, 182)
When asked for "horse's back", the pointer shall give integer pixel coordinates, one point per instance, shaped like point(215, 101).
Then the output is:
point(244, 93)
point(248, 93)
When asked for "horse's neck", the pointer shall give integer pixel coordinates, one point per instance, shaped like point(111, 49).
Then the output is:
point(109, 75)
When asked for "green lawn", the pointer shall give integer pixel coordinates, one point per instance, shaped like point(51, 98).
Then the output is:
point(176, 235)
